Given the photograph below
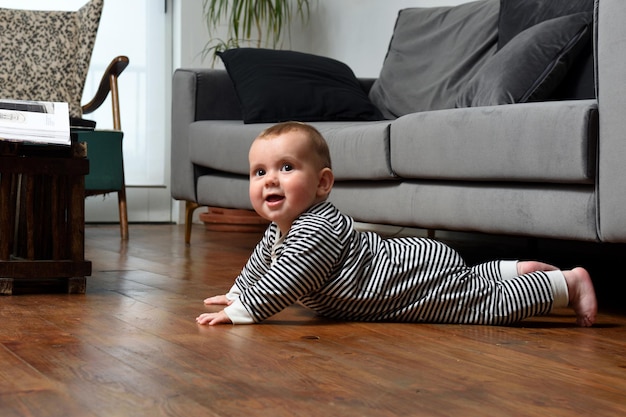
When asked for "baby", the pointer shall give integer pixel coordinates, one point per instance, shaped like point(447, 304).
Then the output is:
point(312, 254)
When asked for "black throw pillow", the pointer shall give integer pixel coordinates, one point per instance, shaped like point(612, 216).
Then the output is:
point(278, 85)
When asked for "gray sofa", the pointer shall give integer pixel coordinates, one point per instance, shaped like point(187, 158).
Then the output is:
point(552, 168)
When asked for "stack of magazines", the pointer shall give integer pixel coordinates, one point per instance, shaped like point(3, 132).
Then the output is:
point(40, 122)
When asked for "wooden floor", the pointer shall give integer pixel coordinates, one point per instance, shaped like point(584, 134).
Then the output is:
point(130, 345)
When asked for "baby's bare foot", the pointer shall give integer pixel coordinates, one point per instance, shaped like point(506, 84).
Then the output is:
point(582, 296)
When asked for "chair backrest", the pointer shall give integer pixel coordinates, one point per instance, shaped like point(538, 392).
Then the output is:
point(45, 55)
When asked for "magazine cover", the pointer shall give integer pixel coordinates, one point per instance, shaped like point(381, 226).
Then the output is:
point(40, 122)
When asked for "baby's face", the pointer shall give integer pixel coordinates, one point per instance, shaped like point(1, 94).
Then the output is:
point(284, 177)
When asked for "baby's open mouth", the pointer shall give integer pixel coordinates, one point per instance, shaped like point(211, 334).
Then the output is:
point(273, 198)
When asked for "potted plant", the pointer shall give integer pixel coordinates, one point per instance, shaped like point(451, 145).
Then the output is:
point(257, 23)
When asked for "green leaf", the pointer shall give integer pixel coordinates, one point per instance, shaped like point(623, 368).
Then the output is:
point(250, 22)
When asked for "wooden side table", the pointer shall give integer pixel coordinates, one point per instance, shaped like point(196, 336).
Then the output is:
point(42, 216)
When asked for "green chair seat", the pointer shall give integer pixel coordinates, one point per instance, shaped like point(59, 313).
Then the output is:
point(106, 164)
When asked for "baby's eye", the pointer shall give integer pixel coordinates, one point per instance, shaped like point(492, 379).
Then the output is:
point(287, 167)
point(259, 172)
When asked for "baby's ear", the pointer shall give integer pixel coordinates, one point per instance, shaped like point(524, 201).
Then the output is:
point(326, 182)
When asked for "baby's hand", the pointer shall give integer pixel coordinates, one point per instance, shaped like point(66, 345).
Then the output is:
point(213, 318)
point(218, 300)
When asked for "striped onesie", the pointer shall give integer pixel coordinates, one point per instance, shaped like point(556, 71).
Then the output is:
point(342, 273)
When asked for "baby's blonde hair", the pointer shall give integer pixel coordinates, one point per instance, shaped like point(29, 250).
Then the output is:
point(318, 143)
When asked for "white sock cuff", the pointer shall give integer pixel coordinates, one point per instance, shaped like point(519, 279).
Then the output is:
point(508, 269)
point(560, 292)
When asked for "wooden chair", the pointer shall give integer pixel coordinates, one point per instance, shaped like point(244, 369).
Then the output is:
point(46, 56)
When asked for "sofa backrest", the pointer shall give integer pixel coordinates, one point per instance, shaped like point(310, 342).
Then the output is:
point(487, 52)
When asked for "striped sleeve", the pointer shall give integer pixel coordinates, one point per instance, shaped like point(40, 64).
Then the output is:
point(259, 261)
point(307, 256)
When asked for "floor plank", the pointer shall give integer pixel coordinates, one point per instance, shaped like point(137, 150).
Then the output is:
point(130, 345)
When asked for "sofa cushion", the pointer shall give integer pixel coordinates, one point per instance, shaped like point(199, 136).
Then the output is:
point(358, 150)
point(434, 51)
point(532, 65)
point(276, 86)
point(224, 190)
point(516, 16)
point(551, 142)
point(538, 210)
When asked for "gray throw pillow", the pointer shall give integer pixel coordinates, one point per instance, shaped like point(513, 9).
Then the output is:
point(517, 16)
point(531, 65)
point(433, 53)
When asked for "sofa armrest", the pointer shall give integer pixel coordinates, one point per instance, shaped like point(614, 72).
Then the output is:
point(215, 96)
point(197, 94)
point(611, 83)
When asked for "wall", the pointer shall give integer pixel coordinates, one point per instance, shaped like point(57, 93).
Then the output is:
point(356, 32)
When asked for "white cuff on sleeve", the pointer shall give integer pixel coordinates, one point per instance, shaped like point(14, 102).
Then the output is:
point(238, 314)
point(233, 293)
point(560, 292)
point(508, 269)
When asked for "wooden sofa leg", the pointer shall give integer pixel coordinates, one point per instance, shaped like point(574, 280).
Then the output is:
point(190, 207)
